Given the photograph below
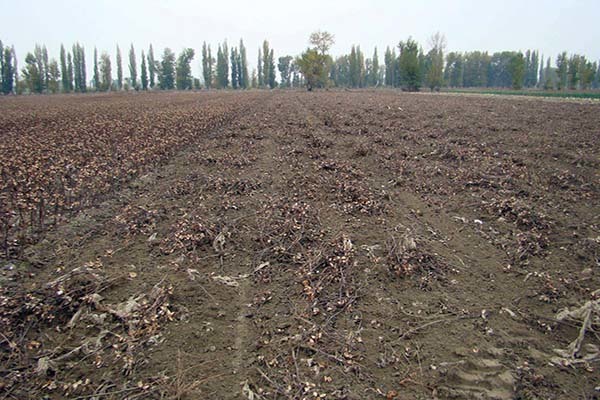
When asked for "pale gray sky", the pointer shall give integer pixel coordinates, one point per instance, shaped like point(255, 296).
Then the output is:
point(549, 26)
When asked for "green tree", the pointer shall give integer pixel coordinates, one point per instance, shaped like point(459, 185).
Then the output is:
point(46, 66)
point(8, 73)
point(391, 61)
point(119, 69)
point(453, 73)
point(133, 68)
point(53, 76)
point(105, 72)
point(244, 79)
point(96, 71)
point(76, 68)
point(235, 80)
point(223, 66)
point(70, 72)
point(166, 73)
point(151, 67)
point(260, 81)
point(517, 70)
point(284, 67)
point(183, 69)
point(207, 66)
point(435, 65)
point(314, 63)
point(573, 71)
point(410, 68)
point(64, 71)
point(33, 75)
point(272, 79)
point(562, 63)
point(374, 76)
point(144, 73)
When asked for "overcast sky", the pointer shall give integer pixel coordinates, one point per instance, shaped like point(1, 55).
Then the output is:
point(547, 25)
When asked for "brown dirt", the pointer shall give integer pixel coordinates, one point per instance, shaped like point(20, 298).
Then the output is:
point(339, 245)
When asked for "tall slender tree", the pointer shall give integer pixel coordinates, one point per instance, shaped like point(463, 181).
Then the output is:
point(144, 73)
point(244, 81)
point(96, 71)
point(207, 66)
point(7, 71)
point(260, 82)
point(119, 69)
point(70, 72)
point(183, 70)
point(133, 68)
point(64, 72)
point(105, 72)
point(151, 67)
point(167, 70)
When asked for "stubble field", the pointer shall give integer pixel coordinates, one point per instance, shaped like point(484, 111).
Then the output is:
point(292, 245)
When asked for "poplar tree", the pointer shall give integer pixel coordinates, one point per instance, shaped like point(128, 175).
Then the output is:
point(260, 77)
point(272, 76)
point(375, 69)
point(96, 71)
point(119, 69)
point(167, 70)
point(105, 72)
point(7, 71)
point(207, 72)
point(144, 73)
point(151, 67)
point(183, 70)
point(133, 68)
point(69, 72)
point(63, 70)
point(244, 79)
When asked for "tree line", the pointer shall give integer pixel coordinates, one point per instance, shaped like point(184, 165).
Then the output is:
point(405, 66)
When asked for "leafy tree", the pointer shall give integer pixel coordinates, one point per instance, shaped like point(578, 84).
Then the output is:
point(284, 67)
point(574, 71)
point(53, 76)
point(390, 67)
point(561, 70)
point(244, 79)
point(151, 67)
point(374, 76)
point(588, 72)
point(144, 73)
point(541, 75)
point(96, 71)
point(453, 74)
point(64, 71)
point(166, 73)
point(254, 79)
point(119, 69)
point(183, 69)
point(207, 66)
point(46, 66)
point(517, 70)
point(314, 63)
point(476, 68)
point(410, 69)
point(33, 75)
point(234, 69)
point(70, 72)
point(105, 72)
point(266, 53)
point(435, 71)
point(260, 81)
point(8, 73)
point(133, 68)
point(272, 79)
point(223, 66)
point(76, 68)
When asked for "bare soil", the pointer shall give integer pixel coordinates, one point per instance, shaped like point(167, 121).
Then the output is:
point(335, 245)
